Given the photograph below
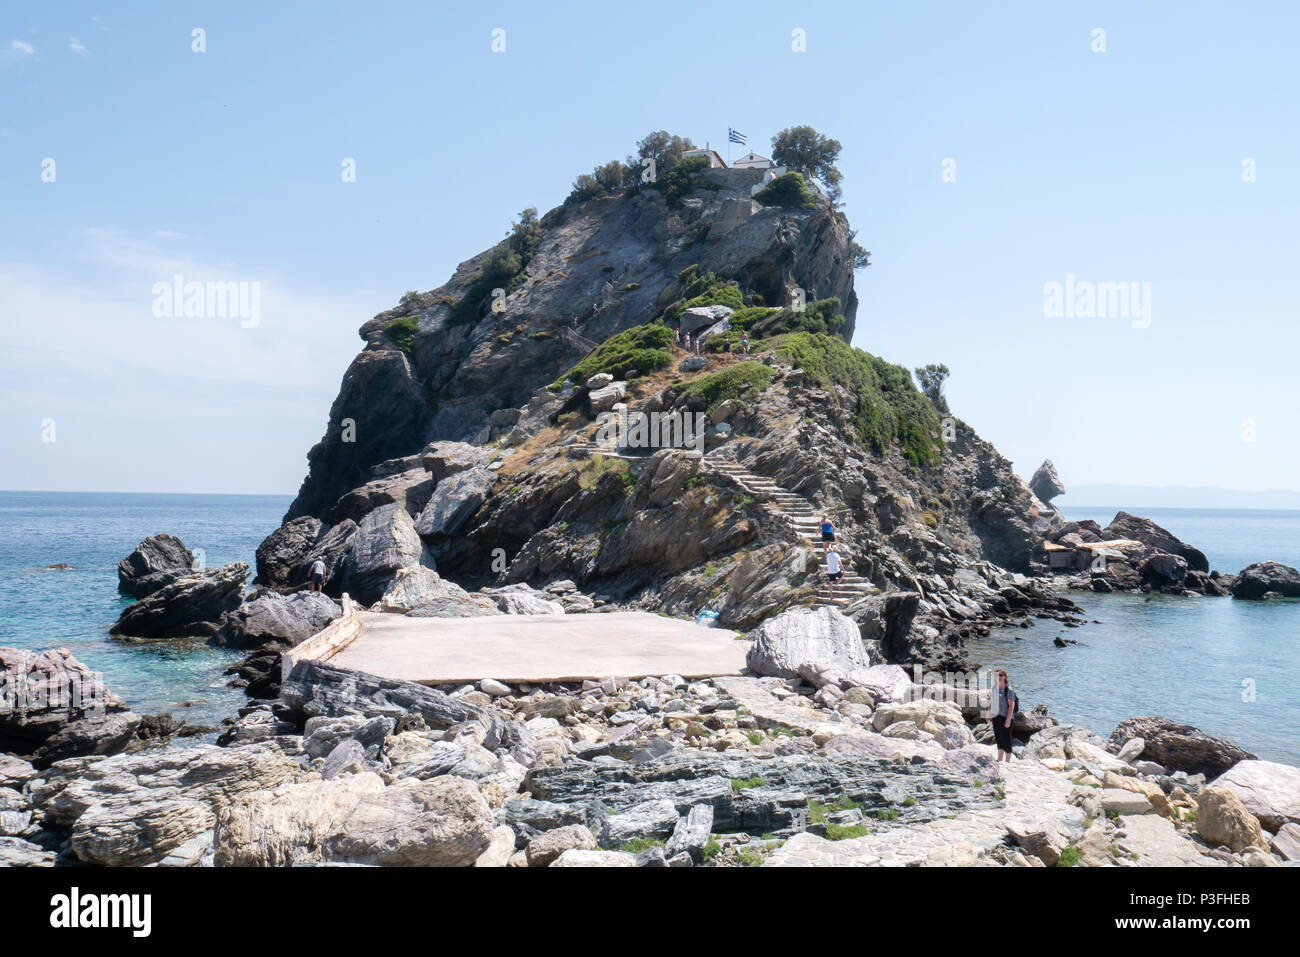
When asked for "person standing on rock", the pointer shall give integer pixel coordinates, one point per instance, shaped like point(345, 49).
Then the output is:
point(834, 571)
point(686, 341)
point(744, 343)
point(1002, 707)
point(317, 575)
point(828, 535)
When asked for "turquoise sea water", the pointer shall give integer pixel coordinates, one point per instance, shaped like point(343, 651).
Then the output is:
point(73, 609)
point(1227, 667)
point(1185, 659)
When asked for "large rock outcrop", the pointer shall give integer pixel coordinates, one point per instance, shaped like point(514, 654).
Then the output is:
point(191, 606)
point(784, 644)
point(157, 561)
point(275, 619)
point(385, 542)
point(1267, 580)
point(355, 819)
point(1045, 484)
point(613, 264)
point(1124, 525)
point(43, 693)
point(1179, 747)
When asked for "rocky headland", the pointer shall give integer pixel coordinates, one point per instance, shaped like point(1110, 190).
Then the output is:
point(488, 454)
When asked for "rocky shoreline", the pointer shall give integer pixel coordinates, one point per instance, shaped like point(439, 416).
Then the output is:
point(839, 762)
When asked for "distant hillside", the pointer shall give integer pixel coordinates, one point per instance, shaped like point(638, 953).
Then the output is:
point(1131, 497)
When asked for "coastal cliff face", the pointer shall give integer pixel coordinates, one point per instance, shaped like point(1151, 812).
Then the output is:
point(466, 436)
point(438, 366)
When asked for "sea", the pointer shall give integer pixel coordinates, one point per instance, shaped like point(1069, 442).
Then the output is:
point(73, 608)
point(1228, 667)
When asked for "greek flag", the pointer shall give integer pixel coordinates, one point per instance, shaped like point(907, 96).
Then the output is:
point(734, 137)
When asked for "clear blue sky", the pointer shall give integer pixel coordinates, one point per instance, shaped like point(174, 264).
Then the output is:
point(1115, 166)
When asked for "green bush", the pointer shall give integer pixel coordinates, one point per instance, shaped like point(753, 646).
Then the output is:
point(822, 316)
point(788, 191)
point(708, 391)
point(680, 181)
point(504, 268)
point(636, 351)
point(888, 406)
point(703, 290)
point(401, 332)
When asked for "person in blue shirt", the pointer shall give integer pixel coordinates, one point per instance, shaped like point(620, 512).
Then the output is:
point(828, 535)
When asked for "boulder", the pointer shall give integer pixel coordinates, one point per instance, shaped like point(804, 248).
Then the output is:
point(106, 734)
point(16, 852)
point(272, 618)
point(1270, 791)
point(442, 459)
point(1124, 525)
point(1222, 819)
point(691, 835)
point(546, 847)
point(1124, 801)
point(799, 636)
point(1062, 741)
point(499, 849)
point(650, 819)
point(189, 606)
point(1286, 842)
point(1267, 580)
point(386, 541)
point(583, 858)
point(928, 716)
point(699, 318)
point(157, 561)
point(1045, 484)
point(454, 501)
point(1163, 571)
point(15, 772)
point(148, 804)
point(286, 549)
point(420, 592)
point(604, 399)
point(519, 599)
point(410, 489)
point(1045, 838)
point(355, 819)
point(1179, 747)
point(43, 692)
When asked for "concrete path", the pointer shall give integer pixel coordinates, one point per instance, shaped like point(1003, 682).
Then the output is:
point(540, 648)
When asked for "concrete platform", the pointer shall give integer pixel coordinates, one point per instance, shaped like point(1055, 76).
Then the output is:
point(539, 648)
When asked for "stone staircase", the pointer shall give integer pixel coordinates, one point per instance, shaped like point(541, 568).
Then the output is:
point(805, 520)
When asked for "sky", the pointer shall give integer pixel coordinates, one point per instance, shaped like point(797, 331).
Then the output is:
point(987, 153)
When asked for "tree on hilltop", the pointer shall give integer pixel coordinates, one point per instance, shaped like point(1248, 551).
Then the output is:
point(803, 148)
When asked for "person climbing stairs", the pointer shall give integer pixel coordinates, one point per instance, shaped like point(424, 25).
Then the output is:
point(805, 520)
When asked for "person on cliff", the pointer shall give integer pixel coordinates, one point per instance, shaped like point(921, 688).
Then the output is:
point(828, 535)
point(686, 341)
point(834, 571)
point(317, 575)
point(744, 343)
point(1002, 708)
